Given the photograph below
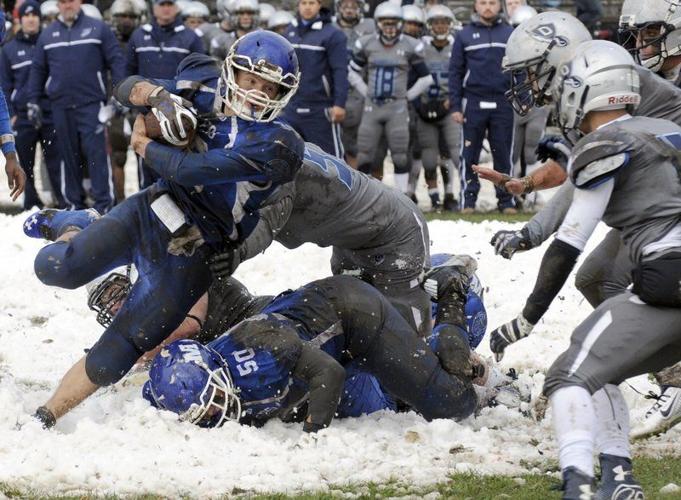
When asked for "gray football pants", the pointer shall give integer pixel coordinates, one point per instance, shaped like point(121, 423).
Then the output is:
point(622, 338)
point(529, 129)
point(429, 139)
point(606, 273)
point(390, 119)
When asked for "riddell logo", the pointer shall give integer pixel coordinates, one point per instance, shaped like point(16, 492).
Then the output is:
point(624, 99)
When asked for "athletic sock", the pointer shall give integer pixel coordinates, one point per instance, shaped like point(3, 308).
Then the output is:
point(574, 423)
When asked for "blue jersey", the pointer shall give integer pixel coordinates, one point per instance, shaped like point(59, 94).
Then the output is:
point(243, 163)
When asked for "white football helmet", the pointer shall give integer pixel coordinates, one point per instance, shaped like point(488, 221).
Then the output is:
point(49, 8)
point(600, 76)
point(265, 11)
point(123, 7)
point(279, 18)
point(651, 30)
point(534, 51)
point(91, 11)
point(196, 9)
point(440, 12)
point(245, 7)
point(522, 14)
point(388, 19)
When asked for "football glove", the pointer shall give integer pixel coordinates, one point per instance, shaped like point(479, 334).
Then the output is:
point(554, 148)
point(507, 243)
point(507, 334)
point(177, 120)
point(223, 265)
point(46, 417)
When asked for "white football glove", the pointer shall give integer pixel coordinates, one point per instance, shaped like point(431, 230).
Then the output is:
point(508, 333)
point(176, 119)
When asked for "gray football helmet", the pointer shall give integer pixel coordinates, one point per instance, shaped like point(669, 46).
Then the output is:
point(534, 51)
point(440, 12)
point(388, 18)
point(651, 23)
point(279, 18)
point(600, 76)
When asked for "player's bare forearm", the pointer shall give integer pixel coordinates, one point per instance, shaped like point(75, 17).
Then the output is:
point(549, 175)
point(74, 388)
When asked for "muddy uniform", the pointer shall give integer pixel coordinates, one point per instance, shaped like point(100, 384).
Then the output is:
point(639, 160)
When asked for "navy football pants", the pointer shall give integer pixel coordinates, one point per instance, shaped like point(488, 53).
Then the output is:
point(313, 125)
point(82, 143)
point(167, 286)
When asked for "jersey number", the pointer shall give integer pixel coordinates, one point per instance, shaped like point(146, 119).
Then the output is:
point(385, 82)
point(245, 362)
point(438, 78)
point(327, 163)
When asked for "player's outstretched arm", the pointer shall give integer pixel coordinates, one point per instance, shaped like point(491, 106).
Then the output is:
point(74, 388)
point(325, 378)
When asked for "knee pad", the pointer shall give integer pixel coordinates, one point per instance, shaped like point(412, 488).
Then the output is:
point(51, 269)
point(110, 359)
point(401, 163)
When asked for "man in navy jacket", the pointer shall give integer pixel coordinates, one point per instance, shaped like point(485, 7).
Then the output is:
point(476, 94)
point(155, 50)
point(15, 66)
point(70, 63)
point(318, 108)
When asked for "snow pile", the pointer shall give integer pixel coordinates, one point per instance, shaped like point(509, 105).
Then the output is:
point(115, 442)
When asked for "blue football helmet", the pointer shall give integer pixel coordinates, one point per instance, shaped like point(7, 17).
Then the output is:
point(193, 381)
point(269, 56)
point(476, 315)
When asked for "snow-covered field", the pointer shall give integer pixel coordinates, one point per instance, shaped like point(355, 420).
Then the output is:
point(115, 442)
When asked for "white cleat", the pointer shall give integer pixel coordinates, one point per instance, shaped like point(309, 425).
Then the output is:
point(662, 416)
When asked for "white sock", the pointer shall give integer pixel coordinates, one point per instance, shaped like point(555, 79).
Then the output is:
point(574, 423)
point(416, 166)
point(402, 182)
point(612, 422)
point(449, 187)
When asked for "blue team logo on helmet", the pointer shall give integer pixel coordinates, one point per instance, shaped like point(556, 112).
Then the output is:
point(193, 381)
point(269, 56)
point(476, 314)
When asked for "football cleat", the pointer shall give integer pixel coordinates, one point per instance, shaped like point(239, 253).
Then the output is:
point(577, 485)
point(617, 480)
point(450, 204)
point(50, 224)
point(662, 416)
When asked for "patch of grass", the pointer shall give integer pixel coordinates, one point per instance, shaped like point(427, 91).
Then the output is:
point(653, 473)
point(479, 217)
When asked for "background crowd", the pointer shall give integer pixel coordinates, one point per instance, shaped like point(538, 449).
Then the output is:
point(412, 80)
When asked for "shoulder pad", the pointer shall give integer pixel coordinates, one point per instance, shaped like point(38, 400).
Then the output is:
point(147, 27)
point(358, 44)
point(598, 171)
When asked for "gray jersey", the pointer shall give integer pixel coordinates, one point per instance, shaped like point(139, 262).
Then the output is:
point(659, 99)
point(220, 45)
point(208, 31)
point(437, 60)
point(388, 67)
point(337, 206)
point(645, 203)
point(363, 28)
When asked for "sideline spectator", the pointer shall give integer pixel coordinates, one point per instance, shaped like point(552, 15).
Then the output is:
point(318, 108)
point(15, 67)
point(476, 94)
point(72, 57)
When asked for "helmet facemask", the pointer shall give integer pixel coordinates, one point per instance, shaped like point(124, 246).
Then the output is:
point(108, 297)
point(436, 27)
point(638, 38)
point(219, 401)
point(530, 82)
point(389, 29)
point(253, 104)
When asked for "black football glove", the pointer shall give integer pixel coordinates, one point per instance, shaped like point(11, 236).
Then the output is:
point(174, 115)
point(46, 417)
point(507, 243)
point(508, 333)
point(553, 147)
point(223, 265)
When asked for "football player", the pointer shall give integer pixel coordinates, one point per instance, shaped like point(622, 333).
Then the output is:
point(536, 49)
point(432, 106)
point(388, 57)
point(307, 336)
point(170, 230)
point(244, 20)
point(626, 173)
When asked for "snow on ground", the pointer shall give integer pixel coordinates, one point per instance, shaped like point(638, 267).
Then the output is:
point(115, 442)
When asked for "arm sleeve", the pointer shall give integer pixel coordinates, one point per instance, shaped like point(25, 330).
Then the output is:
point(417, 62)
point(218, 166)
point(337, 54)
point(325, 378)
point(358, 82)
point(113, 55)
point(457, 68)
point(6, 136)
point(547, 221)
point(560, 258)
point(38, 74)
point(420, 86)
